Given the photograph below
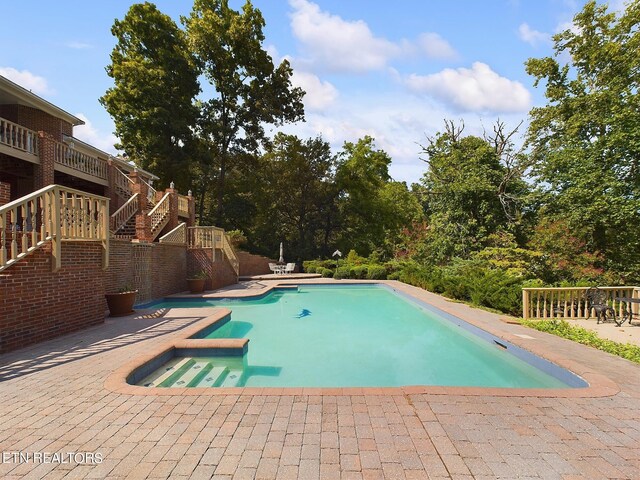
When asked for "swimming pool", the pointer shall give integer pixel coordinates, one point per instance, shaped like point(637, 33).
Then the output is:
point(353, 336)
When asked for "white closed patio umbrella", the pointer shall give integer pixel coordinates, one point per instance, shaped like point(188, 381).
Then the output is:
point(281, 253)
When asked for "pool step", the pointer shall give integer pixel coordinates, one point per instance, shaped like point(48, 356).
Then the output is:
point(232, 379)
point(213, 377)
point(189, 372)
point(169, 369)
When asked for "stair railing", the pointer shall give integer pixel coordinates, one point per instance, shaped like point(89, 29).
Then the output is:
point(159, 215)
point(121, 216)
point(54, 214)
point(230, 253)
point(177, 236)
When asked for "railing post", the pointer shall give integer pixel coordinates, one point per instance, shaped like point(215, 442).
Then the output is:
point(104, 207)
point(192, 210)
point(56, 230)
point(173, 207)
point(525, 303)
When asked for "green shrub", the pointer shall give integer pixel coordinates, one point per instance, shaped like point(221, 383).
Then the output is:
point(394, 275)
point(341, 272)
point(376, 272)
point(326, 272)
point(585, 337)
point(310, 269)
point(359, 271)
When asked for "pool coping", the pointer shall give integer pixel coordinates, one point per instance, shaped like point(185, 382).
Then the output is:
point(598, 385)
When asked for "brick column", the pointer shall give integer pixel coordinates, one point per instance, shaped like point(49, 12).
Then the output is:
point(43, 172)
point(138, 186)
point(5, 193)
point(143, 227)
point(110, 190)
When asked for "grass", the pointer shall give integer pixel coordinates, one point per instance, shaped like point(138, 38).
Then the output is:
point(586, 337)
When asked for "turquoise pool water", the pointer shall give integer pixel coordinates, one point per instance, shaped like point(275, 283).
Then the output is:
point(352, 336)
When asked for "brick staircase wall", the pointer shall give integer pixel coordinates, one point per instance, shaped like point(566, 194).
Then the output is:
point(220, 272)
point(37, 304)
point(251, 264)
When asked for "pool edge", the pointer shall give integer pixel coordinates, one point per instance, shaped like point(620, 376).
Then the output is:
point(598, 384)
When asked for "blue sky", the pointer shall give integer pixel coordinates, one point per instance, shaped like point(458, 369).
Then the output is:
point(392, 70)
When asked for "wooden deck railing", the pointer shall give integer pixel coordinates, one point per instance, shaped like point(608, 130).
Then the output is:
point(230, 253)
point(18, 137)
point(216, 239)
point(205, 237)
point(160, 215)
point(569, 302)
point(80, 162)
point(183, 206)
point(122, 184)
point(53, 213)
point(177, 236)
point(121, 216)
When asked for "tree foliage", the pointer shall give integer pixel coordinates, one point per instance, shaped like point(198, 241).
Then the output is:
point(469, 193)
point(586, 140)
point(250, 91)
point(155, 81)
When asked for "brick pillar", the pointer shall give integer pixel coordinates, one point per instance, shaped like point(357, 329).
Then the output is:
point(138, 186)
point(5, 193)
point(43, 172)
point(191, 222)
point(143, 227)
point(173, 207)
point(110, 190)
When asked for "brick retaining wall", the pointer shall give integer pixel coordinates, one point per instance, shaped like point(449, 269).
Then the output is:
point(37, 304)
point(251, 264)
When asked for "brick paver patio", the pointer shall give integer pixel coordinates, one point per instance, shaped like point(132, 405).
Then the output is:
point(53, 399)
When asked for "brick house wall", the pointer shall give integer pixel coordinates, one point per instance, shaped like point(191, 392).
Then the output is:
point(36, 120)
point(38, 304)
point(253, 264)
point(5, 193)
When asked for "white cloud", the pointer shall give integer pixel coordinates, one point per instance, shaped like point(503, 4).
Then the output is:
point(436, 47)
point(28, 80)
point(90, 134)
point(533, 37)
point(330, 42)
point(78, 45)
point(320, 94)
point(338, 44)
point(477, 89)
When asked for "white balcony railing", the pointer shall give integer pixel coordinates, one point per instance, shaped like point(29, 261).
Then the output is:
point(80, 162)
point(18, 137)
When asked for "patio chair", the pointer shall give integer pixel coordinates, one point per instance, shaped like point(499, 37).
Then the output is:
point(596, 299)
point(274, 268)
point(290, 268)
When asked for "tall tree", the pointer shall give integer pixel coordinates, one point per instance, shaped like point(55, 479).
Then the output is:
point(250, 92)
point(469, 192)
point(586, 140)
point(155, 82)
point(365, 207)
point(298, 195)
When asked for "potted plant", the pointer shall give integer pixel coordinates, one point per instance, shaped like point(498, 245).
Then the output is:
point(196, 283)
point(121, 302)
